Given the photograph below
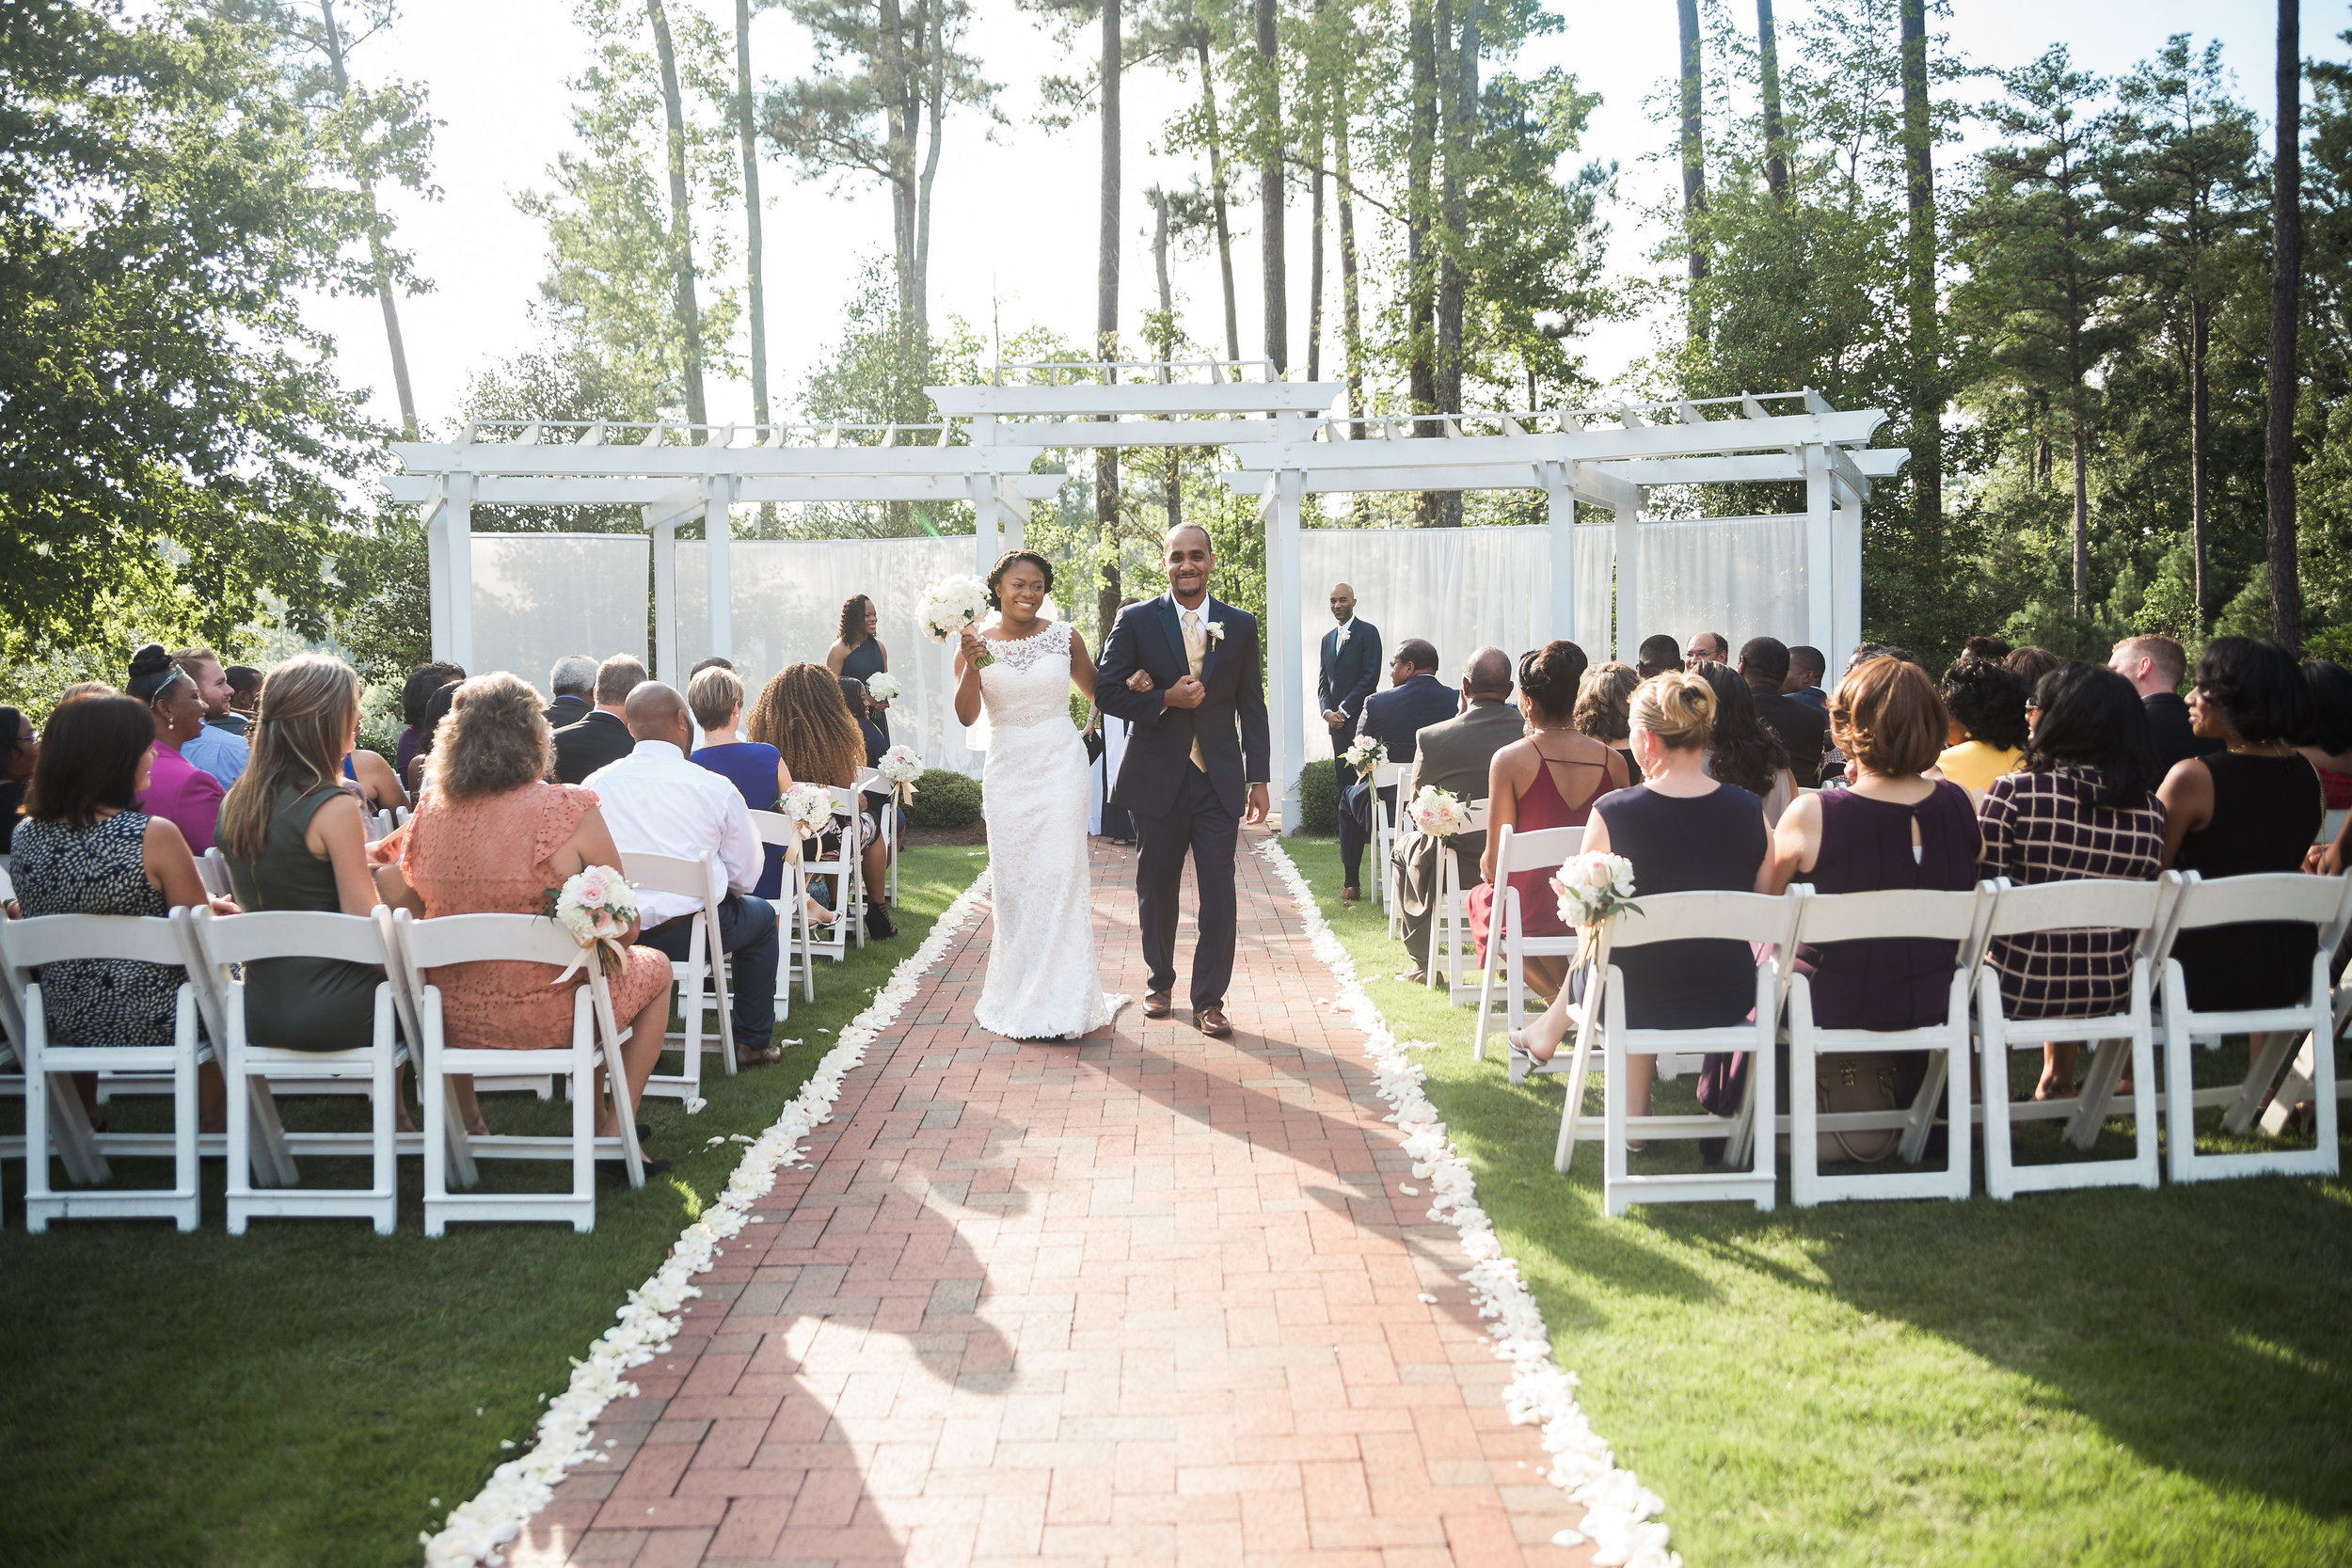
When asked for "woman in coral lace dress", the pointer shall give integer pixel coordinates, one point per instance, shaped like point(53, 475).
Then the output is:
point(491, 836)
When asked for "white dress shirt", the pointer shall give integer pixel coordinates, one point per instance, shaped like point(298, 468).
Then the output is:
point(657, 802)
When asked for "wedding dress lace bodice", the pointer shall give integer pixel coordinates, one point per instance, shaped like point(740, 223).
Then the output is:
point(1029, 682)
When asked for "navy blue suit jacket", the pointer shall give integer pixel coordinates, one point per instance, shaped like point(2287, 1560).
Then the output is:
point(1396, 716)
point(1229, 723)
point(1350, 671)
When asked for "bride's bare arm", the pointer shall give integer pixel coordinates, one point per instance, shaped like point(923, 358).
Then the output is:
point(968, 678)
point(1081, 665)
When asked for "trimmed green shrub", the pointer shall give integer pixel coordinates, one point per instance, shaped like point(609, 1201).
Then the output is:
point(943, 799)
point(1319, 797)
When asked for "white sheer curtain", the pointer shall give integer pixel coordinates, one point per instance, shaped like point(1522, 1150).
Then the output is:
point(538, 596)
point(1743, 576)
point(787, 599)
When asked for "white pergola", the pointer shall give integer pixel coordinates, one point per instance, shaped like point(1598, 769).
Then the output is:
point(1287, 445)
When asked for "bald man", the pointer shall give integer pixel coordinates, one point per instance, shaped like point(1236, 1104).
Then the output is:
point(658, 802)
point(1351, 672)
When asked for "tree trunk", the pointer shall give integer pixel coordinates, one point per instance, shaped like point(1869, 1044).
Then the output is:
point(743, 131)
point(900, 88)
point(1106, 327)
point(378, 266)
point(1693, 157)
point(1351, 304)
point(1173, 479)
point(1270, 197)
point(2200, 436)
point(1927, 413)
point(2082, 511)
point(1315, 274)
point(1775, 144)
point(1458, 106)
point(1420, 303)
point(935, 68)
point(682, 216)
point(2286, 285)
point(1216, 201)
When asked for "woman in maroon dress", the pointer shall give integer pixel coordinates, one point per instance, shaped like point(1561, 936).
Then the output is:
point(1548, 780)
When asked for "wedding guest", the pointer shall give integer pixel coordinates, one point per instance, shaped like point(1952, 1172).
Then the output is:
point(428, 732)
point(600, 735)
point(655, 801)
point(1415, 700)
point(1657, 656)
point(20, 753)
point(1803, 682)
point(86, 848)
point(371, 779)
point(572, 687)
point(218, 752)
point(424, 680)
point(1348, 672)
point(801, 713)
point(1804, 731)
point(79, 690)
point(1986, 709)
point(245, 699)
point(1891, 826)
point(2254, 805)
point(1994, 648)
point(1741, 750)
point(1550, 778)
point(1604, 709)
point(2029, 664)
point(294, 839)
point(857, 654)
point(861, 705)
point(1685, 831)
point(176, 790)
point(491, 836)
point(2327, 741)
point(1707, 647)
point(1454, 755)
point(2083, 806)
point(2155, 666)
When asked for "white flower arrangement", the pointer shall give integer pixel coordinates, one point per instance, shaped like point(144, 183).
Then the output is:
point(1595, 887)
point(902, 767)
point(809, 807)
point(1366, 755)
point(596, 905)
point(1440, 813)
point(1620, 1515)
point(1215, 630)
point(475, 1530)
point(951, 605)
point(1346, 631)
point(883, 687)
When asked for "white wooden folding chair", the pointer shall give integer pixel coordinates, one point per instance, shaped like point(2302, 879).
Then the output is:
point(424, 947)
point(1508, 941)
point(2126, 1038)
point(55, 939)
point(1958, 918)
point(832, 940)
point(222, 944)
point(213, 867)
point(2307, 1022)
point(885, 798)
point(378, 823)
point(69, 1132)
point(795, 959)
point(701, 975)
point(1747, 1173)
point(1450, 950)
point(1388, 776)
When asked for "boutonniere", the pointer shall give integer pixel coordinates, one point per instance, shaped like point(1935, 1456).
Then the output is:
point(1215, 630)
point(1343, 634)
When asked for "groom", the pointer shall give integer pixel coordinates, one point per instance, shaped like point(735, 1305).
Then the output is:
point(1184, 670)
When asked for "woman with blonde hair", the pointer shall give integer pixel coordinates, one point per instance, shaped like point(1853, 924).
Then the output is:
point(1685, 831)
point(491, 835)
point(800, 713)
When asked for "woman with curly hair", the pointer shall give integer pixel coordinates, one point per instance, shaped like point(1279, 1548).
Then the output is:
point(857, 654)
point(1986, 706)
point(1743, 750)
point(1604, 709)
point(800, 713)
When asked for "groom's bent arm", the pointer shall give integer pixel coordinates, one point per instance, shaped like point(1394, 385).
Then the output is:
point(1111, 693)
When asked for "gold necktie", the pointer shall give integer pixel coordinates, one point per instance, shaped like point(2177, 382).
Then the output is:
point(1195, 649)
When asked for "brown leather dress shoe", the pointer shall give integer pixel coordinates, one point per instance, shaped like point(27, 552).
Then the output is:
point(1213, 1022)
point(1350, 895)
point(1155, 1003)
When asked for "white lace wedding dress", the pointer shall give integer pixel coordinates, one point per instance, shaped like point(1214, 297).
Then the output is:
point(1043, 982)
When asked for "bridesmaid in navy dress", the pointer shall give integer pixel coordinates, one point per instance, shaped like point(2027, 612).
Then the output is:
point(858, 655)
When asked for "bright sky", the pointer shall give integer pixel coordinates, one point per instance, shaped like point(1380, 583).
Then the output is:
point(1014, 219)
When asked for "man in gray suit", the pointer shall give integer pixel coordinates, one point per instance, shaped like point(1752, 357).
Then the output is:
point(1453, 756)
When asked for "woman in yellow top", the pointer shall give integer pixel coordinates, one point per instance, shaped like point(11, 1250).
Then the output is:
point(1987, 704)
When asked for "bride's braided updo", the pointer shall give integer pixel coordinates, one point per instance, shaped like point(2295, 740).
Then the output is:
point(1006, 563)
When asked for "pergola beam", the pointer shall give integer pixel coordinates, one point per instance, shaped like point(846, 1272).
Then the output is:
point(556, 490)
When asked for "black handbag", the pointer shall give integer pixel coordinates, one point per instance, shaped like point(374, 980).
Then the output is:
point(1096, 745)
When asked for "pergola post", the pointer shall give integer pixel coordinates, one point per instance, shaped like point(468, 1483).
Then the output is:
point(717, 532)
point(1628, 637)
point(1563, 524)
point(1820, 552)
point(1846, 607)
point(665, 665)
point(1289, 729)
point(448, 548)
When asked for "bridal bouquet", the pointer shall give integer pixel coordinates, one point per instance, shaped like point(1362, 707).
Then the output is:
point(808, 807)
point(1440, 813)
point(902, 767)
point(952, 604)
point(883, 688)
point(596, 906)
point(1595, 887)
point(1366, 755)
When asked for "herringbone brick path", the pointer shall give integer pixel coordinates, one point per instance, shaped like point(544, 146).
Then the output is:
point(1155, 1298)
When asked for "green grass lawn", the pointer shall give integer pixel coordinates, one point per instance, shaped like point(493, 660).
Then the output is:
point(2113, 1376)
point(305, 1392)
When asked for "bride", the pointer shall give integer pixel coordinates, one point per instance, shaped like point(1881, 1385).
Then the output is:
point(1043, 982)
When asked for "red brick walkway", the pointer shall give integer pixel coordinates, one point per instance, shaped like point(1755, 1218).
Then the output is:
point(1153, 1299)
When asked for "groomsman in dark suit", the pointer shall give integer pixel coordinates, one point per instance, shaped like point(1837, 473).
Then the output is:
point(1350, 674)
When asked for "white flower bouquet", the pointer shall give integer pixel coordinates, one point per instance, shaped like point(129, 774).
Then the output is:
point(1440, 813)
point(809, 807)
point(596, 906)
point(1366, 755)
point(902, 767)
point(951, 605)
point(1595, 887)
point(883, 687)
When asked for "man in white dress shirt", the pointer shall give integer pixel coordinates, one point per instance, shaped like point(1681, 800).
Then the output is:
point(659, 802)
